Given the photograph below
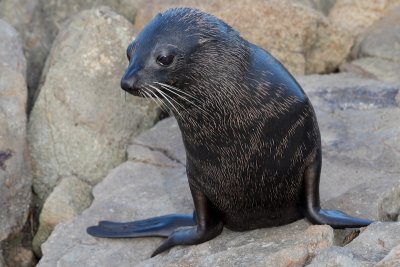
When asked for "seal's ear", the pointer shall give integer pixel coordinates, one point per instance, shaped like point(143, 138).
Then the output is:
point(203, 41)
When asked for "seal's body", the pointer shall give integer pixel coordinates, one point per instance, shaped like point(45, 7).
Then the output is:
point(250, 133)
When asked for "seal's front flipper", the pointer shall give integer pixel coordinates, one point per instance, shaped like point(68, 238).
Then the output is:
point(157, 226)
point(314, 213)
point(209, 225)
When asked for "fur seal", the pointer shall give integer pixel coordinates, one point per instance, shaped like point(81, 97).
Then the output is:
point(250, 133)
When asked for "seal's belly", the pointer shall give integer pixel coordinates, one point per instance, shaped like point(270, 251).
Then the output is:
point(252, 198)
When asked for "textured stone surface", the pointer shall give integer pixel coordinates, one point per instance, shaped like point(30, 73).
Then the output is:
point(15, 171)
point(81, 123)
point(68, 199)
point(47, 20)
point(377, 245)
point(356, 16)
point(378, 49)
point(359, 122)
point(391, 259)
point(300, 37)
point(290, 245)
point(382, 38)
point(375, 68)
point(18, 13)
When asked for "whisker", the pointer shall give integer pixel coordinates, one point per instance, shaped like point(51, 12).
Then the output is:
point(155, 99)
point(176, 89)
point(166, 98)
point(191, 102)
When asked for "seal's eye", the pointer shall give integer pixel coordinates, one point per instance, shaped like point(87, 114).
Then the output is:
point(165, 60)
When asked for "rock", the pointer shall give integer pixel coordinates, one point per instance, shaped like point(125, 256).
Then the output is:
point(48, 18)
point(290, 245)
point(15, 170)
point(153, 174)
point(381, 38)
point(2, 263)
point(369, 248)
point(153, 182)
point(300, 37)
point(67, 200)
point(161, 179)
point(377, 68)
point(358, 121)
point(323, 6)
point(337, 256)
point(378, 50)
point(391, 259)
point(18, 13)
point(80, 124)
point(21, 257)
point(356, 16)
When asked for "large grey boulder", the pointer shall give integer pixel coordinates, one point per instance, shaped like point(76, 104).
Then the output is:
point(153, 182)
point(81, 122)
point(15, 170)
point(39, 21)
point(302, 38)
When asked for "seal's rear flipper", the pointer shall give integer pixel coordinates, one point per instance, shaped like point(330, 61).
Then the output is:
point(313, 211)
point(157, 226)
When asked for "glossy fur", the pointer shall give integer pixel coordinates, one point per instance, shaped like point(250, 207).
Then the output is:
point(251, 136)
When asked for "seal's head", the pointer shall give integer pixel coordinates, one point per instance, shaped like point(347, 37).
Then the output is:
point(179, 49)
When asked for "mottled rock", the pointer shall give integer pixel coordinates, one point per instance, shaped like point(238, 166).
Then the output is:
point(301, 37)
point(290, 245)
point(323, 6)
point(21, 257)
point(160, 179)
point(68, 199)
point(48, 19)
point(374, 68)
point(382, 38)
point(15, 171)
point(359, 122)
point(18, 13)
point(337, 256)
point(391, 259)
point(81, 123)
point(378, 243)
point(377, 49)
point(356, 16)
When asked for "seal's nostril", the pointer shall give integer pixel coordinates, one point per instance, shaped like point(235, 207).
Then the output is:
point(126, 84)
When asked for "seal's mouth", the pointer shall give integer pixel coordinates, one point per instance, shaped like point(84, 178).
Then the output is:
point(133, 91)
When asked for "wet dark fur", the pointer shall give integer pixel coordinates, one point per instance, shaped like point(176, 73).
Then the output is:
point(248, 152)
point(250, 133)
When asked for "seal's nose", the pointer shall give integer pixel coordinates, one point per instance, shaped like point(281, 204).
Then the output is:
point(127, 83)
point(130, 84)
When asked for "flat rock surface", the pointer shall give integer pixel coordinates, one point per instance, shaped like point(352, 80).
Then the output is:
point(153, 182)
